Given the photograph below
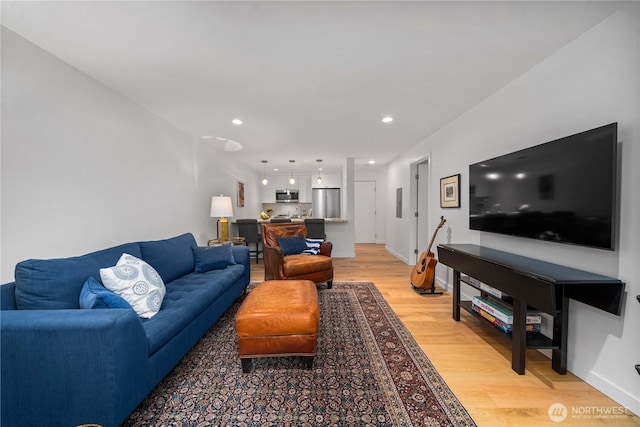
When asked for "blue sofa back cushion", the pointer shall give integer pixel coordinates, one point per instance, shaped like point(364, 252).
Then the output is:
point(54, 284)
point(212, 258)
point(292, 245)
point(171, 258)
point(94, 295)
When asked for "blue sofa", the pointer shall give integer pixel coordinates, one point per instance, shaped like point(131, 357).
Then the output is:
point(65, 366)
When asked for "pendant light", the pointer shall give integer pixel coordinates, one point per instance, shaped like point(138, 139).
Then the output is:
point(319, 178)
point(265, 181)
point(292, 180)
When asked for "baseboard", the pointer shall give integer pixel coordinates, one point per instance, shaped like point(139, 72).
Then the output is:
point(397, 255)
point(624, 398)
point(444, 285)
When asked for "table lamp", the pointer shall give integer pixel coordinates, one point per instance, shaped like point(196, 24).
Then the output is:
point(222, 207)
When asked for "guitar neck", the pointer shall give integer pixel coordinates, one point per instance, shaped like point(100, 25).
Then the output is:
point(432, 239)
point(442, 221)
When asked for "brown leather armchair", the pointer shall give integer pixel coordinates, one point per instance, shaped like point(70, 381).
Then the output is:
point(317, 268)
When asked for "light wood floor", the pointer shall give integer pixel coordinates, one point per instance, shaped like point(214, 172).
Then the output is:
point(473, 358)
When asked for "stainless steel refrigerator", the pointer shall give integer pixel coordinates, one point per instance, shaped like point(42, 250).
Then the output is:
point(326, 202)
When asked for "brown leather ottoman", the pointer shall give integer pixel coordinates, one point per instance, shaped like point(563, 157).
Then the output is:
point(279, 318)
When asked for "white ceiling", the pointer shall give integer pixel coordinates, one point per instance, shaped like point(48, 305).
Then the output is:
point(310, 80)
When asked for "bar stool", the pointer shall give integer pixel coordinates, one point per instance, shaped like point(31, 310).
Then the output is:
point(248, 228)
point(315, 228)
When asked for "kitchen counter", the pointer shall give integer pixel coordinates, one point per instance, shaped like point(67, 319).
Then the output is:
point(326, 220)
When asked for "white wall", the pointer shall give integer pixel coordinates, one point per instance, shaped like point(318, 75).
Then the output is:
point(83, 168)
point(592, 81)
point(342, 235)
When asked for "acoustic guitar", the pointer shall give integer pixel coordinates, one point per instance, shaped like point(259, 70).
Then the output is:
point(424, 272)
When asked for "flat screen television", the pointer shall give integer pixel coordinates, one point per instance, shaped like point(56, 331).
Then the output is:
point(561, 191)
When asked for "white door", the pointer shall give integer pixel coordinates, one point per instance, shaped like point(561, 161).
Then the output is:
point(365, 211)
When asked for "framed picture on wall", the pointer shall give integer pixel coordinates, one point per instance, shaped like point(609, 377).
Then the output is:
point(450, 191)
point(241, 194)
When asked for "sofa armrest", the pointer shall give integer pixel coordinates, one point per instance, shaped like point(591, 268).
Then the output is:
point(241, 256)
point(8, 296)
point(70, 367)
point(326, 248)
point(273, 261)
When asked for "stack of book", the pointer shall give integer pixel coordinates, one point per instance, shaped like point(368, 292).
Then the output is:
point(501, 315)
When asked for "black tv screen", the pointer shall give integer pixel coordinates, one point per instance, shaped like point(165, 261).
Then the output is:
point(561, 191)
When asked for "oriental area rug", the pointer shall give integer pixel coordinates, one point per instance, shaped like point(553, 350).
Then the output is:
point(368, 371)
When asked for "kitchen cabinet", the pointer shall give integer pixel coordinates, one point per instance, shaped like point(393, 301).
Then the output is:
point(268, 192)
point(304, 188)
point(329, 180)
point(282, 182)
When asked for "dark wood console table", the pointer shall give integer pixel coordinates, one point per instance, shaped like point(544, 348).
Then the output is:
point(530, 282)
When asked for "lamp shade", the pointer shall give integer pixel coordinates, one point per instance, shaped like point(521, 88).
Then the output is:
point(221, 206)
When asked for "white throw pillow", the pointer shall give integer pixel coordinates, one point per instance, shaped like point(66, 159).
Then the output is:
point(313, 246)
point(137, 282)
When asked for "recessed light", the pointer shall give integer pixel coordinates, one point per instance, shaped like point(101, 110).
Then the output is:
point(372, 162)
point(236, 121)
point(387, 119)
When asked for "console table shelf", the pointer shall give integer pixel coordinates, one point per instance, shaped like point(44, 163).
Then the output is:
point(536, 340)
point(531, 283)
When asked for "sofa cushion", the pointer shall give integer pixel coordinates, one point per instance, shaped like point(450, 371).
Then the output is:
point(212, 258)
point(94, 295)
point(137, 282)
point(185, 299)
point(53, 284)
point(297, 265)
point(172, 257)
point(292, 245)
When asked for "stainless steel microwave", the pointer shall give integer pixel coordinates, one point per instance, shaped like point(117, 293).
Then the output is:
point(286, 196)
